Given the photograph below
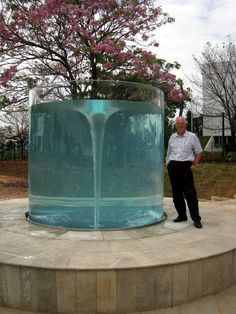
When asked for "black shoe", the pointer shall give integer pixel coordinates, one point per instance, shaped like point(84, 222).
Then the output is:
point(179, 219)
point(198, 225)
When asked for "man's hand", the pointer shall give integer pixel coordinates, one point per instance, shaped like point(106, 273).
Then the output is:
point(193, 167)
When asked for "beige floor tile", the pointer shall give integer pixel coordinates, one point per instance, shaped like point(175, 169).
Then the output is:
point(82, 235)
point(91, 246)
point(206, 305)
point(174, 310)
point(115, 235)
point(227, 310)
point(126, 246)
point(227, 298)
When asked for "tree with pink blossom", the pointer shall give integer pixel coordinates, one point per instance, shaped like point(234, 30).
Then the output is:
point(68, 40)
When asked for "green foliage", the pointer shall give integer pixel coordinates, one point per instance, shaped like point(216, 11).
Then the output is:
point(4, 101)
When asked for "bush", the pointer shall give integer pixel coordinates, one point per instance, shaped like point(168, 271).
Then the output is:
point(230, 147)
point(212, 156)
point(230, 156)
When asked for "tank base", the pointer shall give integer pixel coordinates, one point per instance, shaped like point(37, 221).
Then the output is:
point(123, 271)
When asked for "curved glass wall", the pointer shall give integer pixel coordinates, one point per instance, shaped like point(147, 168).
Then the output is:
point(96, 155)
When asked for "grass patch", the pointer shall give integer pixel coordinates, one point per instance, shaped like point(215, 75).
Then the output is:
point(216, 179)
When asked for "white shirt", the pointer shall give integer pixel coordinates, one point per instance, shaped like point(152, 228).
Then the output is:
point(183, 147)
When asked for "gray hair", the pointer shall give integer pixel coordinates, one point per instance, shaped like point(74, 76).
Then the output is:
point(181, 118)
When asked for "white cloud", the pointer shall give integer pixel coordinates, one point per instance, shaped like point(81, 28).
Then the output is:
point(196, 23)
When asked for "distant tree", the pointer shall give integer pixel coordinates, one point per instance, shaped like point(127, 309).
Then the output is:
point(4, 131)
point(217, 66)
point(178, 96)
point(16, 128)
point(5, 140)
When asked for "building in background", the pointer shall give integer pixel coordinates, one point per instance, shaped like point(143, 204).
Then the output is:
point(216, 92)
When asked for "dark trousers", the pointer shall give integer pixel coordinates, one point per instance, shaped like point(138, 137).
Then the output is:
point(182, 183)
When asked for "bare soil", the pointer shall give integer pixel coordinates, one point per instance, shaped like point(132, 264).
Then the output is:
point(13, 179)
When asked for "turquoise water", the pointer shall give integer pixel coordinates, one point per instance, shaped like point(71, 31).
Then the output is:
point(96, 164)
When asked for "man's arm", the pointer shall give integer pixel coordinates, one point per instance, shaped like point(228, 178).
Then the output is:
point(167, 153)
point(196, 161)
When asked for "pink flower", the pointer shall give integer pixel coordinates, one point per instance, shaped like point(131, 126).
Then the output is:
point(177, 95)
point(96, 5)
point(8, 75)
point(108, 66)
point(104, 47)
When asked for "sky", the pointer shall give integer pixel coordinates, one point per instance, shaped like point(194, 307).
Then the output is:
point(196, 23)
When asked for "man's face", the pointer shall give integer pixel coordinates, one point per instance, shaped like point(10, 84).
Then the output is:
point(180, 125)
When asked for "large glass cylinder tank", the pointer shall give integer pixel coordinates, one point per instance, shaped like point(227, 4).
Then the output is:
point(96, 155)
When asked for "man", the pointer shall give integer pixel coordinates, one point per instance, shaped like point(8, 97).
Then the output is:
point(183, 155)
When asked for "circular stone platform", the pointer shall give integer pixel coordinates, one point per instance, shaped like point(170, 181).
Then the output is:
point(123, 271)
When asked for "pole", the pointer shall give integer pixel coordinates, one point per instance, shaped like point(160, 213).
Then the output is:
point(223, 132)
point(223, 128)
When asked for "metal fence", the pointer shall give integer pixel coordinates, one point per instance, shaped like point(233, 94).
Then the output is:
point(12, 150)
